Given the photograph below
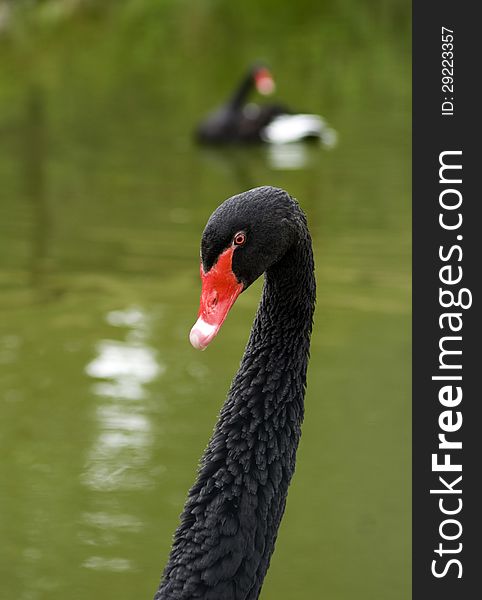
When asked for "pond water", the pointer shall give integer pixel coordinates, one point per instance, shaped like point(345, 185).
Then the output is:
point(105, 407)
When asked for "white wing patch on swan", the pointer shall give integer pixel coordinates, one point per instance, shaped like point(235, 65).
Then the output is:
point(293, 128)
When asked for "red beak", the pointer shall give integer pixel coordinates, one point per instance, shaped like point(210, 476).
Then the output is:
point(264, 82)
point(220, 288)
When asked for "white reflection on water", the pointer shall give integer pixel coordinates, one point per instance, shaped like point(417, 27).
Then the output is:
point(288, 156)
point(99, 563)
point(123, 369)
point(298, 155)
point(127, 366)
point(104, 520)
point(9, 347)
point(120, 453)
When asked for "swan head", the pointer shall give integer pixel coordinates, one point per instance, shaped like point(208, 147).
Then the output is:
point(263, 80)
point(243, 238)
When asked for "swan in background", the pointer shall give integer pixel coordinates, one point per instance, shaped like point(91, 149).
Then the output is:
point(238, 121)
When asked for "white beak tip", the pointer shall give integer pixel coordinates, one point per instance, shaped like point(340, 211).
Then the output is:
point(201, 334)
point(195, 340)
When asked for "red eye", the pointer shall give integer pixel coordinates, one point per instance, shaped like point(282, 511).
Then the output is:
point(239, 239)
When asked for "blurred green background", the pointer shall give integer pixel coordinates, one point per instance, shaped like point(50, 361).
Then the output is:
point(105, 407)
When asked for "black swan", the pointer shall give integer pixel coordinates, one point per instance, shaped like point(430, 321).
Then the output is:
point(223, 545)
point(239, 122)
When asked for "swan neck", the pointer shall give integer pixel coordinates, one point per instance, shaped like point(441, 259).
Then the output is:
point(281, 332)
point(240, 95)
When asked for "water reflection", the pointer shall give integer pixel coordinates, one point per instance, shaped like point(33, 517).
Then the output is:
point(241, 164)
point(108, 521)
point(108, 564)
point(288, 156)
point(298, 155)
point(35, 182)
point(123, 369)
point(236, 163)
point(119, 456)
point(126, 366)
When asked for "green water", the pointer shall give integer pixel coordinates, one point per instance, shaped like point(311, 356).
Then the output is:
point(105, 407)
